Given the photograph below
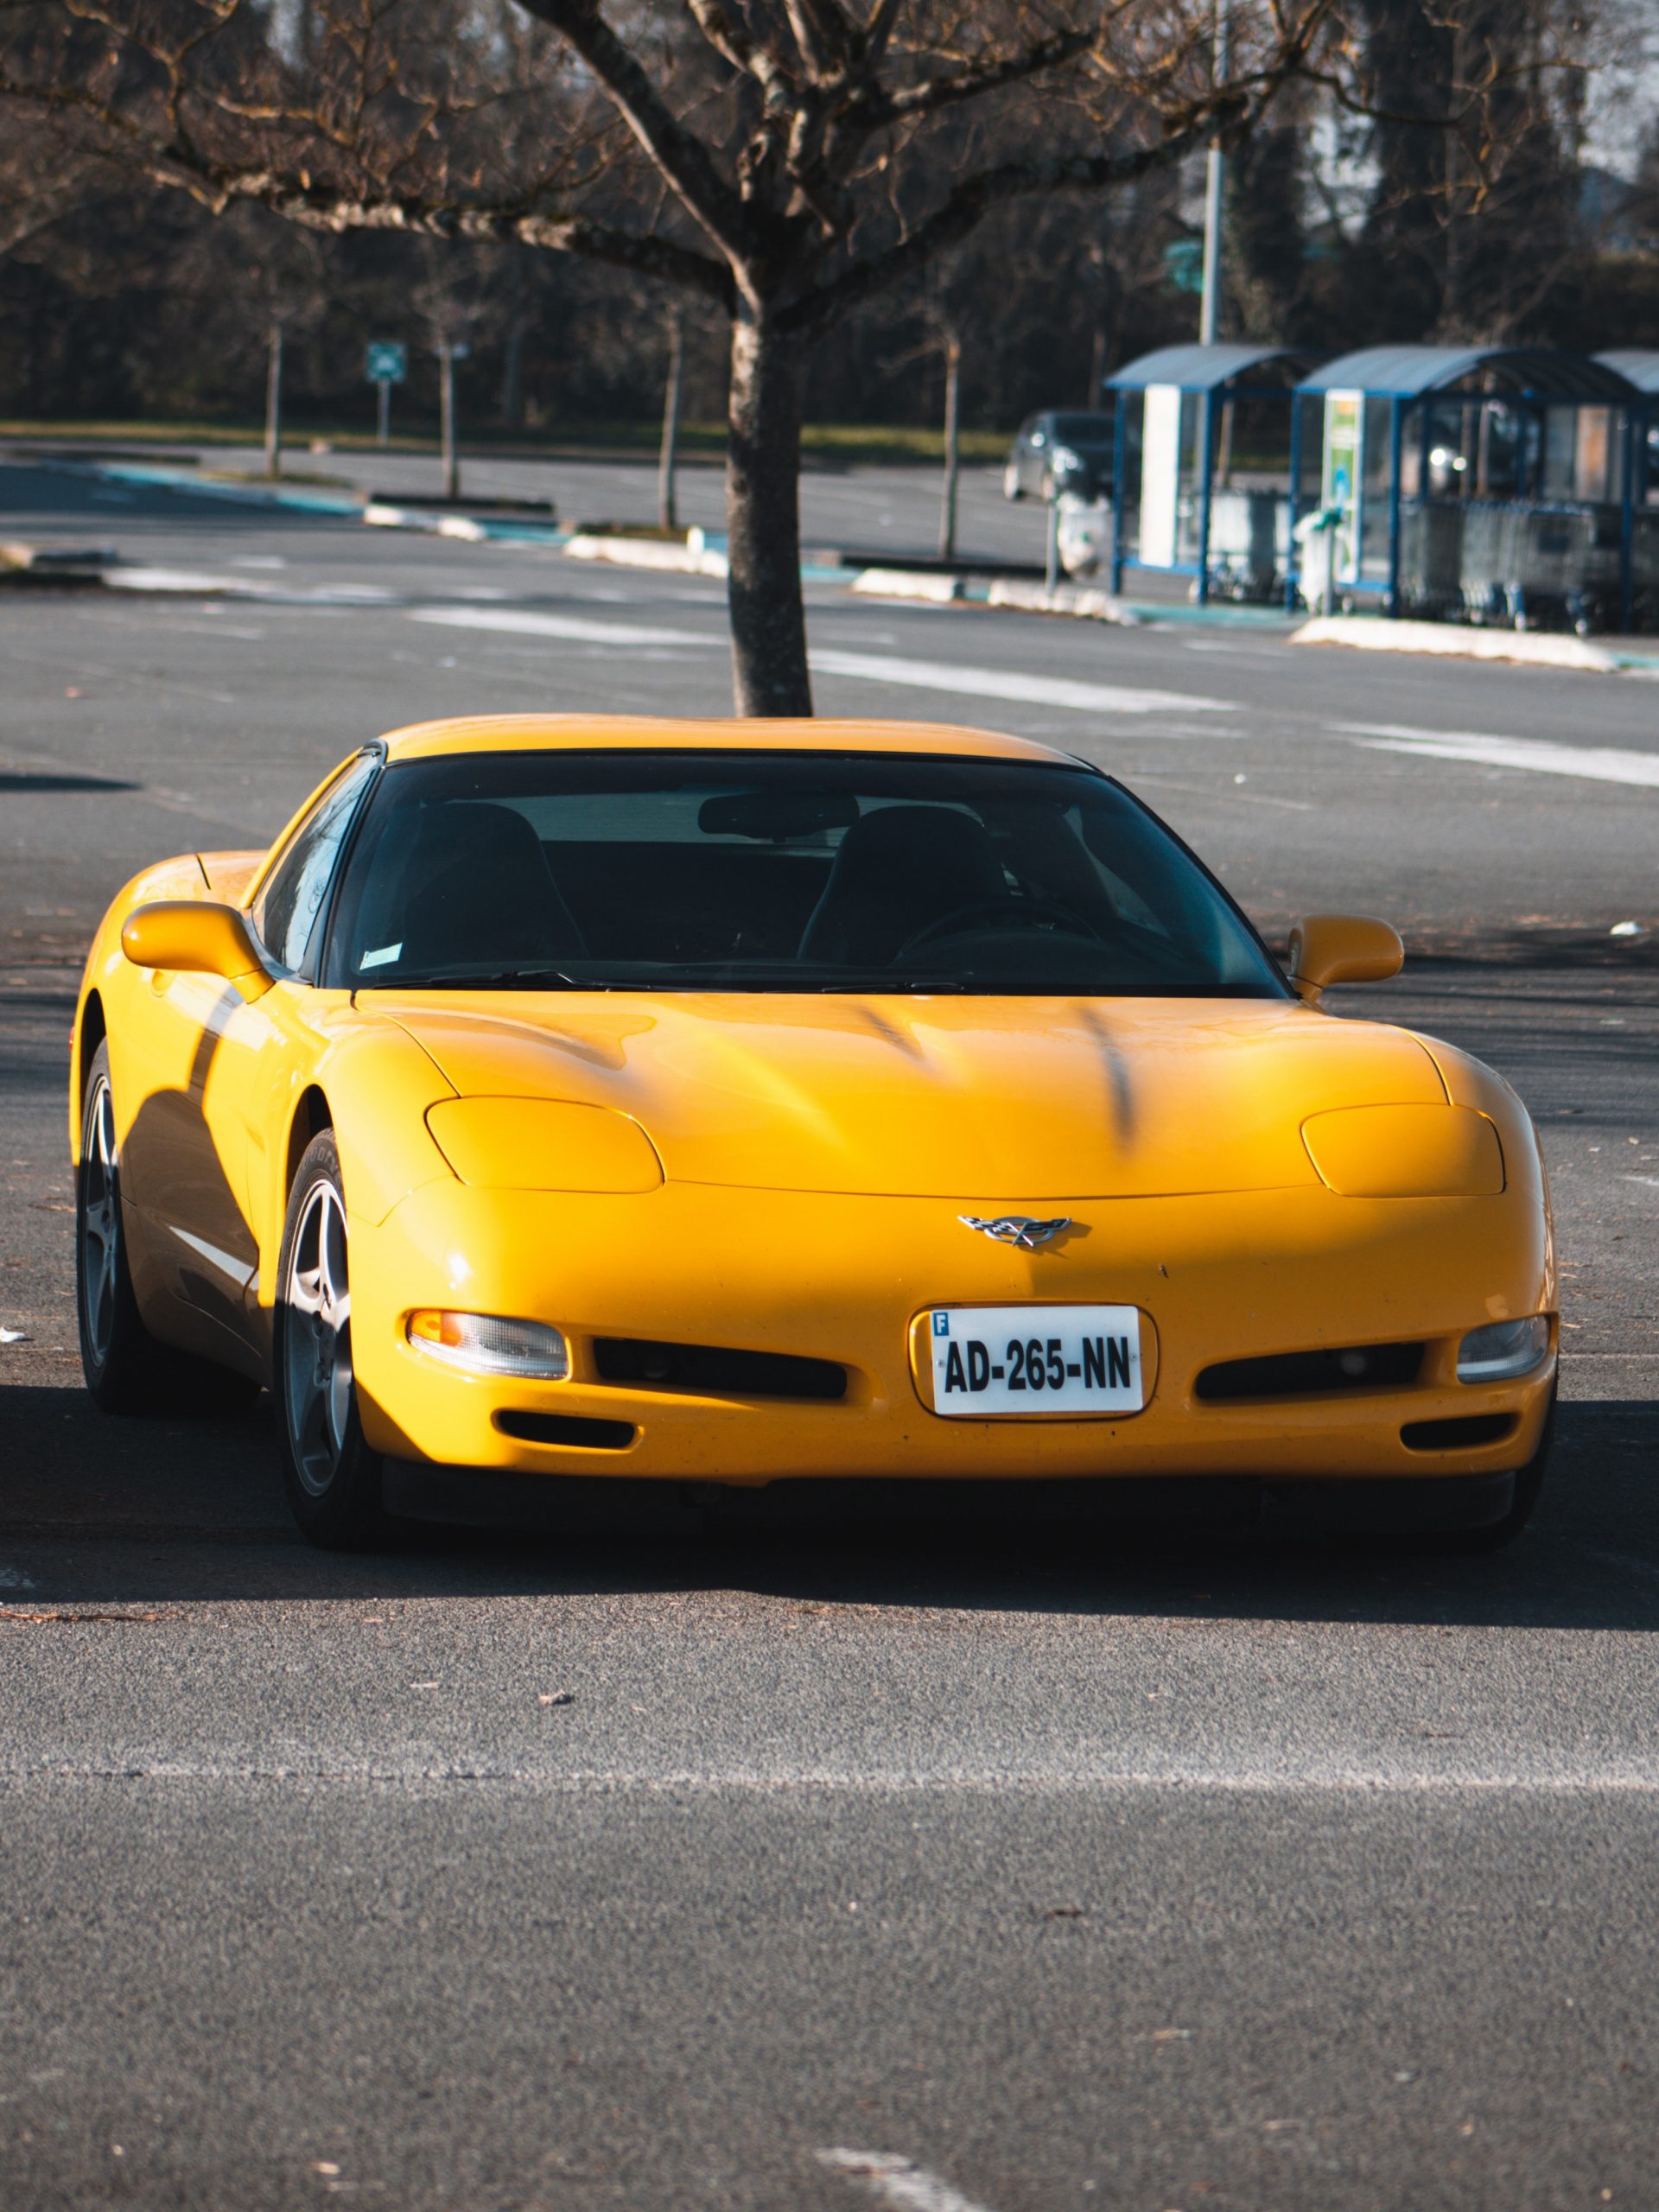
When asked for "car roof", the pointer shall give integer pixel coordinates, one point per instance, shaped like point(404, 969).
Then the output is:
point(646, 733)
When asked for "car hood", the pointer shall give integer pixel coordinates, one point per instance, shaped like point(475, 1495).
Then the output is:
point(1016, 1099)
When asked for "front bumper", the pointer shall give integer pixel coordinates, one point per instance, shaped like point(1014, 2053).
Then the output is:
point(1223, 1277)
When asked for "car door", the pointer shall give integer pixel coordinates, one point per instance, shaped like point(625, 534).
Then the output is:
point(1034, 453)
point(268, 1058)
point(196, 1155)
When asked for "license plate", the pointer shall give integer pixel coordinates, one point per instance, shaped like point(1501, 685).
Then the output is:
point(1036, 1359)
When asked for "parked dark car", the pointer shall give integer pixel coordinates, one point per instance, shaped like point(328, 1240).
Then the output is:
point(1053, 453)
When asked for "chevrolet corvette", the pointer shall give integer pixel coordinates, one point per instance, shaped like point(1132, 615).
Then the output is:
point(737, 1102)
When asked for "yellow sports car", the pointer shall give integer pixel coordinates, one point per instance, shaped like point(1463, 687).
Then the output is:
point(738, 1102)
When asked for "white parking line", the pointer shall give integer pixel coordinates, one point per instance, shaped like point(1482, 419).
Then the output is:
point(568, 626)
point(873, 667)
point(900, 2182)
point(1600, 764)
point(1003, 684)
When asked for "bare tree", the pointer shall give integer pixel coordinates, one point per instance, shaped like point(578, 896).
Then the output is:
point(1472, 113)
point(292, 280)
point(788, 161)
point(948, 306)
point(667, 504)
point(449, 303)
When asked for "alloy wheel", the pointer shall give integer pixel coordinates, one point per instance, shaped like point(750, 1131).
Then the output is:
point(100, 1222)
point(317, 1339)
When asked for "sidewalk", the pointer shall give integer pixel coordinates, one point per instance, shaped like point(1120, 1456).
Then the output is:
point(1600, 656)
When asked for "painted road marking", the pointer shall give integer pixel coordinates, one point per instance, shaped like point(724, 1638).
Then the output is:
point(900, 2182)
point(568, 626)
point(1601, 764)
point(873, 667)
point(1616, 1777)
point(1003, 684)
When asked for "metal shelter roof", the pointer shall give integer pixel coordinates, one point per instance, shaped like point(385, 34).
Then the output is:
point(1529, 372)
point(1637, 365)
point(1202, 368)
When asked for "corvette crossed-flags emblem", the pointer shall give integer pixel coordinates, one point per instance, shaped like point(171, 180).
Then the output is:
point(1017, 1228)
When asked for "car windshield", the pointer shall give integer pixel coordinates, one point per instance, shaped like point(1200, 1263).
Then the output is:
point(1083, 430)
point(754, 871)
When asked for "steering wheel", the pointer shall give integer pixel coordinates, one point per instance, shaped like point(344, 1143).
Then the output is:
point(1036, 912)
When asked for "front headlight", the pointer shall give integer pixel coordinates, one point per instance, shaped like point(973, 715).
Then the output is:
point(1504, 1350)
point(543, 1144)
point(1066, 458)
point(1405, 1151)
point(489, 1344)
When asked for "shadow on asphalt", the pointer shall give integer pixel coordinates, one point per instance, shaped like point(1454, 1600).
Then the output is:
point(33, 497)
point(169, 1509)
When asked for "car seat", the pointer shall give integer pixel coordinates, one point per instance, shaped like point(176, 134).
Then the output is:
point(898, 869)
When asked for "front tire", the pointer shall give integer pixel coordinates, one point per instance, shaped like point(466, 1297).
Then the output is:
point(1474, 1543)
point(334, 1479)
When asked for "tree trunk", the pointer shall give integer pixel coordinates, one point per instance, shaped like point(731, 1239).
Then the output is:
point(763, 457)
point(512, 377)
point(447, 420)
point(1100, 352)
point(952, 447)
point(667, 514)
point(274, 400)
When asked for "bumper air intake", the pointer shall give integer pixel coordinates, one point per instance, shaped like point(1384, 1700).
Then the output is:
point(1311, 1374)
point(711, 1369)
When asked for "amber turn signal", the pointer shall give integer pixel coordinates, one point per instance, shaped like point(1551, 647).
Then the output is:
point(487, 1343)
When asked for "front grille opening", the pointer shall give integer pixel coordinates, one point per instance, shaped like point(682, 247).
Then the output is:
point(567, 1429)
point(715, 1370)
point(1461, 1434)
point(1312, 1373)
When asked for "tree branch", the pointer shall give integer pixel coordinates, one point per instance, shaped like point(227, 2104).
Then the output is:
point(678, 154)
point(962, 211)
point(820, 37)
point(730, 41)
point(177, 165)
point(883, 21)
point(1233, 109)
point(875, 109)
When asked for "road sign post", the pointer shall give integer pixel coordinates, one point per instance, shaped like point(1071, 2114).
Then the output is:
point(449, 351)
point(388, 363)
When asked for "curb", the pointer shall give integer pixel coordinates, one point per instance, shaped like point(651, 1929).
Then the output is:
point(695, 558)
point(474, 530)
point(910, 583)
point(1535, 649)
point(1082, 602)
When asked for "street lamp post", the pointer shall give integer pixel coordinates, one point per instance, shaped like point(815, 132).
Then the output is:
point(273, 397)
point(447, 418)
point(1215, 172)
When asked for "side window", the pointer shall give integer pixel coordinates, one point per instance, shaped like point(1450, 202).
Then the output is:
point(292, 900)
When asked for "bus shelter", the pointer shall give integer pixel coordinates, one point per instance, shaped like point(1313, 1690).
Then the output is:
point(1640, 367)
point(1487, 483)
point(1201, 478)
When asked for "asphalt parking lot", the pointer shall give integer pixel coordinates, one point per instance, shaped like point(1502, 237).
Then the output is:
point(651, 1869)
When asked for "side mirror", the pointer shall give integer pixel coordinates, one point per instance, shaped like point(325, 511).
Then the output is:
point(1326, 948)
point(193, 937)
